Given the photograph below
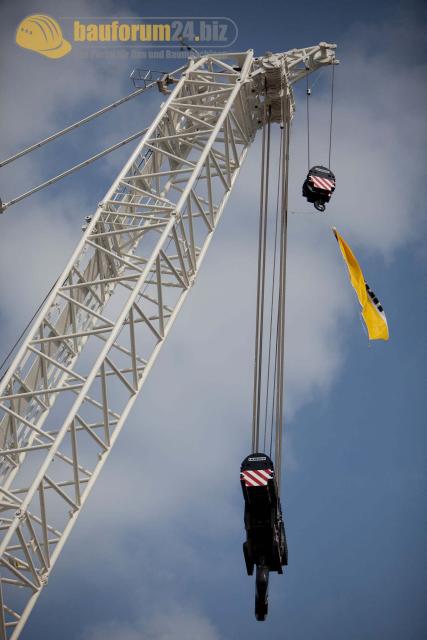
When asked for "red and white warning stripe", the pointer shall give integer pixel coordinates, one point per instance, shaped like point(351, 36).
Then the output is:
point(257, 477)
point(323, 183)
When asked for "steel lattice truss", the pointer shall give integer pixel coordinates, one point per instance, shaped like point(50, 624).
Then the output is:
point(66, 397)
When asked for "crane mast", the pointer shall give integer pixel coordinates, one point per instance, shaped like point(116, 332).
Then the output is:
point(78, 372)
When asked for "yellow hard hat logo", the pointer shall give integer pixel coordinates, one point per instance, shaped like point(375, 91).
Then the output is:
point(42, 34)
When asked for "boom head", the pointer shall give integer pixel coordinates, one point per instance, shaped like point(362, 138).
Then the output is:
point(274, 74)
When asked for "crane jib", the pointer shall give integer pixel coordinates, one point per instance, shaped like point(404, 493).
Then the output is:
point(86, 356)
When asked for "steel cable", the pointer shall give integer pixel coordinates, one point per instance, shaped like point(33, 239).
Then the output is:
point(308, 123)
point(262, 243)
point(264, 255)
point(255, 387)
point(282, 309)
point(273, 289)
point(332, 113)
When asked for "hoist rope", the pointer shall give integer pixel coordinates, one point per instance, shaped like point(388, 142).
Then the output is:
point(273, 421)
point(273, 393)
point(332, 113)
point(273, 404)
point(308, 124)
point(282, 306)
point(262, 242)
point(273, 288)
point(258, 293)
point(308, 93)
point(274, 384)
point(264, 247)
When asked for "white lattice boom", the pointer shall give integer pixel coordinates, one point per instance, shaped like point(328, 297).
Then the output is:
point(73, 382)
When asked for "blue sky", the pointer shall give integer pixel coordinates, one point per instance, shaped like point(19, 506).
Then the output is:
point(157, 554)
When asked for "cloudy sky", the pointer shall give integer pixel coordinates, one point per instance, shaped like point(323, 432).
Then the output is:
point(156, 554)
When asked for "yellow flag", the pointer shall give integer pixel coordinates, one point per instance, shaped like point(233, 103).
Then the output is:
point(372, 311)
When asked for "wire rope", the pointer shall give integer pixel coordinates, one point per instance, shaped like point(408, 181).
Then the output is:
point(262, 250)
point(282, 308)
point(273, 288)
point(308, 93)
point(332, 114)
point(264, 255)
point(255, 424)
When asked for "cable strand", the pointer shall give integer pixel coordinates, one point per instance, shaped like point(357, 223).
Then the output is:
point(273, 289)
point(332, 113)
point(308, 123)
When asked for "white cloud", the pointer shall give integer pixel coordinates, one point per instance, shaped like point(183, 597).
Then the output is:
point(172, 623)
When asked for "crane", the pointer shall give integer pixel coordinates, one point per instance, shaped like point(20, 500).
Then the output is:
point(78, 372)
